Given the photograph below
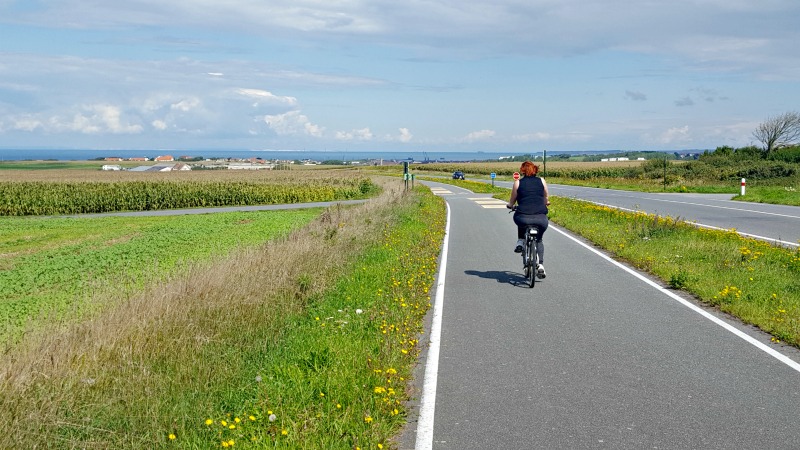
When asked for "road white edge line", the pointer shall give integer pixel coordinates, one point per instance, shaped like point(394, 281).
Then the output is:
point(761, 346)
point(428, 403)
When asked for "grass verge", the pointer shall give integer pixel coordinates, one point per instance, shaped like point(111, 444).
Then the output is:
point(305, 342)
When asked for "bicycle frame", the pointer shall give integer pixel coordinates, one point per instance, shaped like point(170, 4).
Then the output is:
point(530, 257)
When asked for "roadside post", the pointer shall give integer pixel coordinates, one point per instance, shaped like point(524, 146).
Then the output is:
point(492, 176)
point(544, 162)
point(405, 174)
point(744, 182)
point(413, 177)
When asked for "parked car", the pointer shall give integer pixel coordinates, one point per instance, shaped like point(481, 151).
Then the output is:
point(458, 175)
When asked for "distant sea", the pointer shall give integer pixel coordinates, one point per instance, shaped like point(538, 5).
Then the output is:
point(84, 155)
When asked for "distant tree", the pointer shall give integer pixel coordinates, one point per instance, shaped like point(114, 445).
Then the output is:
point(779, 131)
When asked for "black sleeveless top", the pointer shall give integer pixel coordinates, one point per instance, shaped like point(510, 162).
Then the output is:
point(530, 196)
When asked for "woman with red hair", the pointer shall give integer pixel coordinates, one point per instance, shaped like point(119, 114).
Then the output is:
point(531, 196)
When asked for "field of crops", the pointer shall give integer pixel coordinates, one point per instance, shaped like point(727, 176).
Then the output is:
point(55, 192)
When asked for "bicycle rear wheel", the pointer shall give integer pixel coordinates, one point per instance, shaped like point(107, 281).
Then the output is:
point(530, 261)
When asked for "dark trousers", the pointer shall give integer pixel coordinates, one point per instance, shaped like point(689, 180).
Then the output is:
point(540, 220)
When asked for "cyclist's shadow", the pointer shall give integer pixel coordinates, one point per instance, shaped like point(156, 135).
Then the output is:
point(513, 278)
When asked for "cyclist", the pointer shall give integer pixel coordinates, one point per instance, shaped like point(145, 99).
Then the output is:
point(532, 198)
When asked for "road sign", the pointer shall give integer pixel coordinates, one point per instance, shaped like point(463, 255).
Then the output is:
point(516, 175)
point(493, 175)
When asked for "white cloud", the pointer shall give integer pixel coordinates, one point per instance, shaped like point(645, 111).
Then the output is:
point(675, 135)
point(186, 104)
point(531, 137)
point(269, 97)
point(363, 134)
point(292, 123)
point(26, 124)
point(481, 135)
point(405, 135)
point(91, 119)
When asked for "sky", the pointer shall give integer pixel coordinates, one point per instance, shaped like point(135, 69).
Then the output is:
point(386, 75)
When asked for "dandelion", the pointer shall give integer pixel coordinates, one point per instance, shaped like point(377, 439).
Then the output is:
point(209, 422)
point(171, 437)
point(368, 419)
point(272, 417)
point(252, 418)
point(284, 432)
point(258, 378)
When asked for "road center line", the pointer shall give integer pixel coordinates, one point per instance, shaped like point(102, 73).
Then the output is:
point(749, 339)
point(428, 401)
point(706, 205)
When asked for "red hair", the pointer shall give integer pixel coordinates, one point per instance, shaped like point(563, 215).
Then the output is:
point(529, 169)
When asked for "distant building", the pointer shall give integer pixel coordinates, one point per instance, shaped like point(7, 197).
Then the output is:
point(138, 158)
point(112, 158)
point(165, 158)
point(111, 167)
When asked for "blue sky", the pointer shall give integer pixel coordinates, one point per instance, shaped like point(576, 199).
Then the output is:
point(419, 75)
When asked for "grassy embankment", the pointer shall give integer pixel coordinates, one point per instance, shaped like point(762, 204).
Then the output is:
point(304, 341)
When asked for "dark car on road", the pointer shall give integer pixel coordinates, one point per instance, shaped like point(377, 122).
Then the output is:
point(458, 175)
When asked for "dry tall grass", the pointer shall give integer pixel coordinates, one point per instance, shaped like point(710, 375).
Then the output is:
point(133, 354)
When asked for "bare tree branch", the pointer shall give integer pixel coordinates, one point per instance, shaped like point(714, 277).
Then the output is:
point(778, 131)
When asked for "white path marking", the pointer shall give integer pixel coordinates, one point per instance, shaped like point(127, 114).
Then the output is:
point(428, 402)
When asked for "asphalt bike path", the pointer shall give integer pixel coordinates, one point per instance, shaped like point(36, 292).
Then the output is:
point(594, 356)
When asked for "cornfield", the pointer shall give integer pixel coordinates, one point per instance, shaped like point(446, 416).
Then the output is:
point(23, 198)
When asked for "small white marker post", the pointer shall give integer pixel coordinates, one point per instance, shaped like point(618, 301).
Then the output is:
point(743, 183)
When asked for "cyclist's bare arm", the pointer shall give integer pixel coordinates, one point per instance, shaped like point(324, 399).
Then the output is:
point(513, 198)
point(546, 193)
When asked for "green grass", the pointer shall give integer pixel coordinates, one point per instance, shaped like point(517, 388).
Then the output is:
point(785, 195)
point(49, 265)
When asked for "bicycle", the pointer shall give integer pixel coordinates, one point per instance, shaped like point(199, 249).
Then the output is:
point(530, 256)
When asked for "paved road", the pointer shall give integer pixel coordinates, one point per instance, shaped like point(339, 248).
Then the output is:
point(595, 356)
point(180, 212)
